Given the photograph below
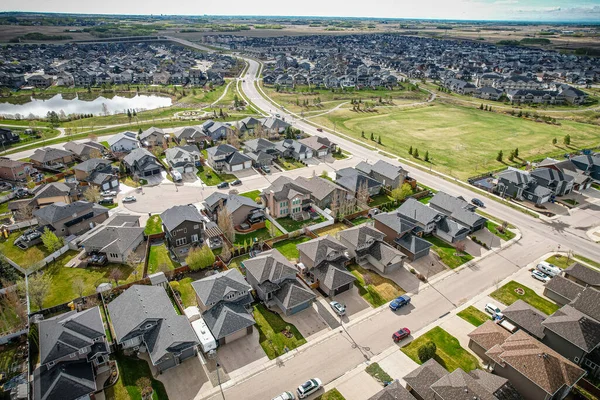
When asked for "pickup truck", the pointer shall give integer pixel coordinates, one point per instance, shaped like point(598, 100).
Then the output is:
point(399, 302)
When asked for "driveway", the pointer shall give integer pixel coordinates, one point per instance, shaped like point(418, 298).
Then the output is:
point(323, 308)
point(473, 248)
point(429, 265)
point(352, 300)
point(184, 381)
point(307, 321)
point(488, 238)
point(241, 352)
point(403, 278)
point(312, 161)
point(245, 173)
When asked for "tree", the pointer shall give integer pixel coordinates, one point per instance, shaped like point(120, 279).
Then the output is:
point(402, 192)
point(233, 139)
point(53, 119)
point(372, 136)
point(79, 286)
point(460, 247)
point(51, 241)
point(410, 151)
point(129, 115)
point(427, 351)
point(511, 156)
point(95, 153)
point(416, 153)
point(116, 275)
point(225, 222)
point(145, 386)
point(481, 106)
point(225, 253)
point(499, 156)
point(567, 140)
point(157, 151)
point(362, 134)
point(38, 286)
point(26, 212)
point(92, 194)
point(516, 152)
point(426, 158)
point(200, 258)
point(362, 194)
point(379, 140)
point(554, 141)
point(7, 272)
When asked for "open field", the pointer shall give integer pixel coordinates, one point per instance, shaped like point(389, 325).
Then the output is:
point(461, 141)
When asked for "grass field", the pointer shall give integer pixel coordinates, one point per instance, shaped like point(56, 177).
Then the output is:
point(449, 353)
point(288, 163)
point(506, 235)
point(563, 261)
point(259, 234)
point(461, 141)
point(211, 178)
point(447, 253)
point(130, 370)
point(290, 225)
point(507, 295)
point(378, 373)
point(474, 316)
point(289, 248)
point(153, 225)
point(159, 255)
point(332, 394)
point(270, 326)
point(188, 295)
point(25, 258)
point(252, 195)
point(374, 288)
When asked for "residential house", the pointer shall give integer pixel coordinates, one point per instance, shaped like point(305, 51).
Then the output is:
point(261, 151)
point(562, 290)
point(71, 219)
point(224, 300)
point(55, 192)
point(227, 158)
point(216, 131)
point(526, 317)
point(247, 125)
point(354, 181)
point(274, 279)
point(367, 246)
point(589, 164)
point(8, 137)
point(521, 186)
point(320, 146)
point(458, 210)
point(419, 381)
point(73, 351)
point(393, 391)
point(85, 151)
point(152, 137)
point(274, 126)
point(123, 142)
point(402, 233)
point(532, 96)
point(581, 179)
point(583, 275)
point(41, 81)
point(191, 134)
point(560, 184)
point(242, 209)
point(286, 198)
point(323, 192)
point(324, 259)
point(488, 93)
point(183, 159)
point(183, 226)
point(98, 172)
point(573, 95)
point(141, 163)
point(389, 175)
point(50, 158)
point(460, 86)
point(485, 337)
point(115, 239)
point(13, 170)
point(290, 148)
point(144, 316)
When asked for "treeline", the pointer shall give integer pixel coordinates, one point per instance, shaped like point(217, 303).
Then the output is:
point(40, 36)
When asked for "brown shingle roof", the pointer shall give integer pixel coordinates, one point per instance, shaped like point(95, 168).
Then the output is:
point(564, 287)
point(526, 317)
point(583, 273)
point(489, 334)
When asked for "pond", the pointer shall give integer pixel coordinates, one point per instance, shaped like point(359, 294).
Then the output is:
point(98, 106)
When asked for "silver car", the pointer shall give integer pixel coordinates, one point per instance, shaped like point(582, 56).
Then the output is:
point(338, 308)
point(309, 387)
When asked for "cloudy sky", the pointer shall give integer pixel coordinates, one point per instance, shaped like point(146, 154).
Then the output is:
point(533, 10)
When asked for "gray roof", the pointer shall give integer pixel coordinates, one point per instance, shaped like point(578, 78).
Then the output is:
point(221, 150)
point(59, 211)
point(396, 222)
point(456, 208)
point(564, 287)
point(227, 318)
point(421, 378)
point(414, 210)
point(588, 302)
point(152, 131)
point(136, 155)
point(188, 132)
point(123, 220)
point(176, 215)
point(113, 239)
point(585, 274)
point(460, 385)
point(65, 381)
point(83, 149)
point(53, 189)
point(123, 135)
point(575, 327)
point(214, 288)
point(231, 201)
point(333, 275)
point(284, 188)
point(526, 317)
point(293, 293)
point(270, 266)
point(393, 391)
point(381, 167)
point(319, 187)
point(91, 164)
point(361, 236)
point(412, 243)
point(259, 144)
point(174, 153)
point(48, 154)
point(353, 179)
point(322, 249)
point(550, 174)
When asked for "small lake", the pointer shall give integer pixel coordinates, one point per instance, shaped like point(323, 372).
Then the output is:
point(98, 106)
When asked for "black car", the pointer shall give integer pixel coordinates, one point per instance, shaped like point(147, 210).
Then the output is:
point(106, 201)
point(236, 182)
point(477, 202)
point(222, 185)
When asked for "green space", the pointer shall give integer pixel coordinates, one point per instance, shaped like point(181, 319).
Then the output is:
point(252, 195)
point(339, 156)
point(506, 235)
point(258, 235)
point(594, 264)
point(25, 258)
point(288, 163)
point(153, 225)
point(331, 229)
point(3, 208)
point(186, 291)
point(458, 138)
point(560, 261)
point(426, 199)
point(360, 220)
point(474, 316)
point(271, 329)
point(8, 357)
point(291, 226)
point(211, 178)
point(160, 260)
point(130, 370)
point(374, 288)
point(448, 254)
point(449, 352)
point(236, 263)
point(332, 394)
point(378, 373)
point(289, 247)
point(492, 218)
point(507, 294)
point(379, 199)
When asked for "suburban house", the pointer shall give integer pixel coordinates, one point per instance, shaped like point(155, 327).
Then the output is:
point(526, 317)
point(116, 238)
point(354, 181)
point(141, 163)
point(286, 198)
point(247, 124)
point(85, 151)
point(152, 137)
point(216, 130)
point(588, 164)
point(562, 290)
point(273, 125)
point(274, 279)
point(192, 135)
point(227, 158)
point(393, 391)
point(320, 146)
point(71, 219)
point(323, 192)
point(324, 259)
point(123, 142)
point(97, 172)
point(458, 210)
point(55, 192)
point(50, 158)
point(73, 352)
point(144, 316)
point(291, 148)
point(183, 159)
point(224, 300)
point(13, 170)
point(486, 336)
point(521, 186)
point(389, 175)
point(8, 137)
point(261, 151)
point(367, 246)
point(488, 93)
point(583, 275)
point(183, 227)
point(581, 179)
point(559, 183)
point(402, 233)
point(242, 209)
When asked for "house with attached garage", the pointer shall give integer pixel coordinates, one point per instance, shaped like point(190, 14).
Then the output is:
point(367, 246)
point(402, 233)
point(389, 175)
point(227, 158)
point(458, 210)
point(323, 192)
point(560, 184)
point(324, 261)
point(431, 221)
point(85, 151)
point(123, 142)
point(274, 279)
point(273, 125)
point(71, 219)
point(581, 179)
point(144, 317)
point(73, 352)
point(183, 159)
point(522, 186)
point(183, 227)
point(99, 173)
point(488, 93)
point(393, 391)
point(247, 125)
point(216, 130)
point(115, 239)
point(242, 209)
point(583, 275)
point(286, 197)
point(354, 180)
point(13, 170)
point(562, 290)
point(261, 151)
point(191, 134)
point(224, 300)
point(141, 163)
point(152, 137)
point(50, 158)
point(589, 164)
point(291, 148)
point(320, 146)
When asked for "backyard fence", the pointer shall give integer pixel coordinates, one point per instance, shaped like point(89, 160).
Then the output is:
point(51, 258)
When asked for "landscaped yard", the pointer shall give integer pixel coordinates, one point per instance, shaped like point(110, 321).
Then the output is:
point(331, 230)
point(507, 295)
point(211, 178)
point(374, 288)
point(288, 163)
point(474, 316)
point(378, 373)
point(188, 295)
point(272, 339)
point(379, 199)
point(253, 194)
point(506, 235)
point(237, 263)
point(289, 248)
point(130, 370)
point(159, 259)
point(259, 234)
point(339, 156)
point(153, 225)
point(360, 220)
point(449, 352)
point(290, 225)
point(3, 208)
point(563, 262)
point(447, 253)
point(25, 258)
point(332, 394)
point(426, 199)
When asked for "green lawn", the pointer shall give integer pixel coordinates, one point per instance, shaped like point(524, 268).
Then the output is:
point(3, 208)
point(259, 234)
point(290, 225)
point(492, 218)
point(153, 225)
point(211, 178)
point(506, 235)
point(188, 295)
point(25, 258)
point(458, 138)
point(339, 156)
point(374, 288)
point(332, 394)
point(270, 326)
point(8, 356)
point(379, 199)
point(252, 195)
point(289, 163)
point(563, 262)
point(447, 253)
point(449, 353)
point(474, 316)
point(507, 295)
point(378, 373)
point(426, 199)
point(289, 248)
point(360, 220)
point(594, 264)
point(237, 263)
point(159, 255)
point(130, 370)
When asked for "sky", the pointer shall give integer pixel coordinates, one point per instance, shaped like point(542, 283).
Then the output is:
point(528, 10)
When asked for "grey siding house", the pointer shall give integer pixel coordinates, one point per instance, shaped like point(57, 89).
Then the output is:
point(403, 233)
point(559, 183)
point(521, 186)
point(183, 227)
point(459, 210)
point(389, 175)
point(367, 246)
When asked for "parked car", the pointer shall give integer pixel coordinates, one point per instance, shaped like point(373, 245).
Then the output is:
point(106, 201)
point(540, 276)
point(108, 193)
point(98, 259)
point(399, 302)
point(129, 199)
point(223, 185)
point(266, 169)
point(285, 396)
point(477, 202)
point(548, 269)
point(236, 182)
point(309, 387)
point(373, 212)
point(319, 130)
point(401, 334)
point(492, 309)
point(338, 308)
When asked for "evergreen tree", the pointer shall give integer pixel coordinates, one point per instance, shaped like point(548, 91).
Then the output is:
point(516, 152)
point(426, 159)
point(499, 156)
point(416, 153)
point(554, 141)
point(379, 140)
point(567, 140)
point(362, 134)
point(410, 151)
point(372, 136)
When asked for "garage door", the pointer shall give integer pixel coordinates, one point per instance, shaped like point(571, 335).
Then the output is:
point(342, 289)
point(188, 169)
point(322, 153)
point(237, 335)
point(106, 186)
point(300, 307)
point(238, 167)
point(147, 173)
point(156, 172)
point(114, 183)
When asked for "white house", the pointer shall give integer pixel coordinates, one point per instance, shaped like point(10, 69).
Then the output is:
point(123, 142)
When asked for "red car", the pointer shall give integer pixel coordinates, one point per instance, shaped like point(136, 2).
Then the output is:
point(319, 130)
point(401, 334)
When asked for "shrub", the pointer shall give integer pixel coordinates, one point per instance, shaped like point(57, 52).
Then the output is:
point(427, 351)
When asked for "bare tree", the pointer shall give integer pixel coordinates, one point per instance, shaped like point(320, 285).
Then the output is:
point(132, 260)
point(362, 194)
point(225, 253)
point(79, 286)
point(335, 205)
point(233, 139)
point(38, 288)
point(116, 275)
point(92, 194)
point(225, 223)
point(259, 131)
point(163, 267)
point(460, 247)
point(26, 212)
point(95, 153)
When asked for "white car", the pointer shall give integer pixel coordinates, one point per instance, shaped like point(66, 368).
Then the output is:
point(492, 309)
point(309, 387)
point(108, 193)
point(129, 199)
point(338, 307)
point(540, 276)
point(285, 396)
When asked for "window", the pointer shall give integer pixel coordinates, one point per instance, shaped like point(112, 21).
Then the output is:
point(184, 230)
point(148, 326)
point(196, 226)
point(72, 355)
point(83, 351)
point(576, 359)
point(180, 242)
